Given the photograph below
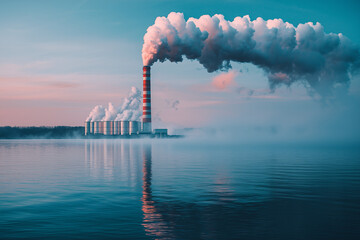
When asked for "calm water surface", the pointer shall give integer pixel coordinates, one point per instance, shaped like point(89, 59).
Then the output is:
point(177, 189)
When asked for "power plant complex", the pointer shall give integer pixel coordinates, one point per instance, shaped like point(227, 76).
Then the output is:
point(112, 128)
point(129, 128)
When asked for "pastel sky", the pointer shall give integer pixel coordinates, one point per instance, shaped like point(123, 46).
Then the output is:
point(58, 59)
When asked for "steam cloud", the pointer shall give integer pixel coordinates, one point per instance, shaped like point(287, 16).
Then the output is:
point(130, 110)
point(286, 53)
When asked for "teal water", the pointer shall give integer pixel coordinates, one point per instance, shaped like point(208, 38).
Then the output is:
point(177, 189)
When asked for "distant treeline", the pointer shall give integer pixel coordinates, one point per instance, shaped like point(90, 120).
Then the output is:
point(41, 132)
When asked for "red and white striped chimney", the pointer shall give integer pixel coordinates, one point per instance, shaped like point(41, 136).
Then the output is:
point(146, 120)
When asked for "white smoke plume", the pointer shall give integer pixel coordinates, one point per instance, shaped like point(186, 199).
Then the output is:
point(323, 61)
point(129, 110)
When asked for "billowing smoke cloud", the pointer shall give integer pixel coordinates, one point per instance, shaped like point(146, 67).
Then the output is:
point(129, 110)
point(286, 53)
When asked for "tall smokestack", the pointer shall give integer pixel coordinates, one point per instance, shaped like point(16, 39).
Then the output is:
point(146, 120)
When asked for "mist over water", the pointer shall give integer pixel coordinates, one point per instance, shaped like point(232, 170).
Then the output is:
point(178, 189)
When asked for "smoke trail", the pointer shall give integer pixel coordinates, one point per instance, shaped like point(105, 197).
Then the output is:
point(129, 110)
point(96, 114)
point(286, 53)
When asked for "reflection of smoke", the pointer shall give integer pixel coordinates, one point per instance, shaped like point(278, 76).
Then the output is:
point(285, 52)
point(130, 110)
point(100, 158)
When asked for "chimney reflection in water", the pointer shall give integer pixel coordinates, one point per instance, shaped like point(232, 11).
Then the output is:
point(119, 160)
point(100, 157)
point(152, 221)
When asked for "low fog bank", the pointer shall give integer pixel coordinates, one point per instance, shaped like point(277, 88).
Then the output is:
point(58, 132)
point(308, 122)
point(271, 135)
point(337, 130)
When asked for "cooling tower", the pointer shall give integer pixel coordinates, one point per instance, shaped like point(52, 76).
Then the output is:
point(102, 127)
point(92, 127)
point(133, 127)
point(107, 128)
point(112, 128)
point(97, 127)
point(116, 127)
point(146, 120)
point(87, 128)
point(124, 127)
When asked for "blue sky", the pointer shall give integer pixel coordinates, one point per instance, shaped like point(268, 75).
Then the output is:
point(61, 58)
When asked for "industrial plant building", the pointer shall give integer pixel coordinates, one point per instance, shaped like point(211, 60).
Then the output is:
point(129, 128)
point(112, 128)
